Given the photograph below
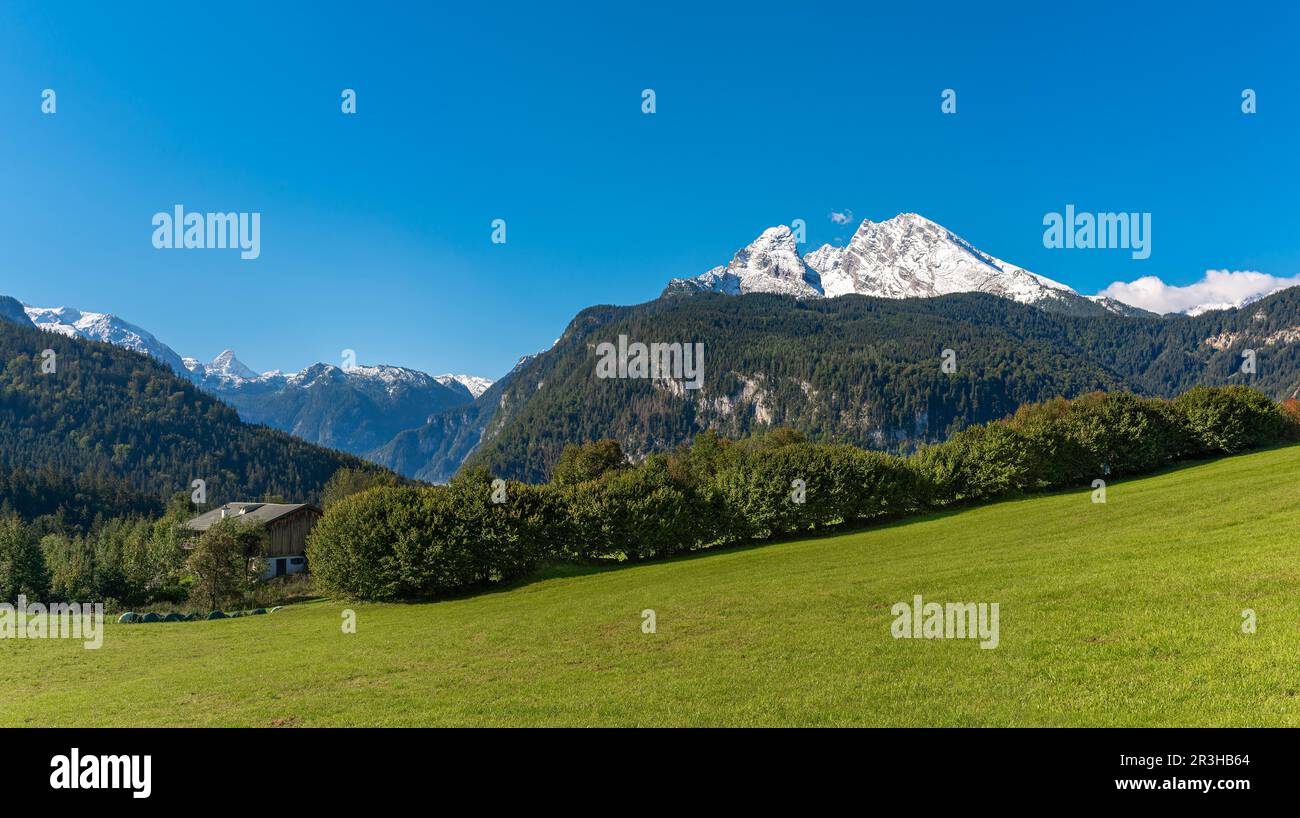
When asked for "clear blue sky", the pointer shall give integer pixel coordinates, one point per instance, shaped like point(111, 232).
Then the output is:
point(376, 227)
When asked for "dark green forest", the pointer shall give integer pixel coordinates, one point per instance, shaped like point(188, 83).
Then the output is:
point(111, 432)
point(860, 370)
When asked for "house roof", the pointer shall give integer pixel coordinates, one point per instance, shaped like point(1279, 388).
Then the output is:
point(265, 512)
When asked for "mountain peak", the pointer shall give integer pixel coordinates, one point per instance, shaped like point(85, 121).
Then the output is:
point(473, 384)
point(907, 256)
point(769, 264)
point(105, 327)
point(226, 365)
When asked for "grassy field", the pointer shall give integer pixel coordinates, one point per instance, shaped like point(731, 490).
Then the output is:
point(1127, 613)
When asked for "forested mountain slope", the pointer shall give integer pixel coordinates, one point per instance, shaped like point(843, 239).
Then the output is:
point(113, 431)
point(862, 370)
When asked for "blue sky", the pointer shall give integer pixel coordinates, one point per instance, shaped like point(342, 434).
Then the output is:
point(376, 229)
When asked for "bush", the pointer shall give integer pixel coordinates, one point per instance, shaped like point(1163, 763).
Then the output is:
point(879, 485)
point(226, 561)
point(589, 461)
point(354, 550)
point(502, 541)
point(1231, 419)
point(763, 499)
point(1099, 433)
point(635, 514)
point(978, 463)
point(396, 543)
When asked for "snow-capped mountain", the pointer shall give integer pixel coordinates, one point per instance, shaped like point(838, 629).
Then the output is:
point(770, 264)
point(227, 373)
point(907, 256)
point(358, 409)
point(225, 368)
point(471, 383)
point(99, 326)
point(1201, 309)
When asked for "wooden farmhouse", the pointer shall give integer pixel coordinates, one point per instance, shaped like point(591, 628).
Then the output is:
point(287, 526)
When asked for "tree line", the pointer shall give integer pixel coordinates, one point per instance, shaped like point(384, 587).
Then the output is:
point(404, 542)
point(141, 560)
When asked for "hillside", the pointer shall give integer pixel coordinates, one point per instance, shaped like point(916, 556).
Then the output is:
point(354, 409)
point(112, 431)
point(860, 370)
point(1127, 613)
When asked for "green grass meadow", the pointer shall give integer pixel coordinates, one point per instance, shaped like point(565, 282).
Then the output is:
point(1127, 613)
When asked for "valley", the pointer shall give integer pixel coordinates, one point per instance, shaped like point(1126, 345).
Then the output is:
point(841, 343)
point(1121, 614)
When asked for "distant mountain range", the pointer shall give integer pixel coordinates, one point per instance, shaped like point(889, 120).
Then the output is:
point(862, 370)
point(358, 410)
point(108, 432)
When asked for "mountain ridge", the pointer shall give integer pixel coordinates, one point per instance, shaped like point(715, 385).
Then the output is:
point(907, 256)
point(866, 370)
point(110, 430)
point(356, 410)
point(427, 426)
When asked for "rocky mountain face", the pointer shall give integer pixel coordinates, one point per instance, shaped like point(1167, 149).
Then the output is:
point(864, 370)
point(907, 256)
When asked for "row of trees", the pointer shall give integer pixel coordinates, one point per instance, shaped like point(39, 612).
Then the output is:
point(124, 560)
point(405, 542)
point(131, 562)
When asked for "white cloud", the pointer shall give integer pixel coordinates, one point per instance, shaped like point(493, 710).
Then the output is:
point(842, 218)
point(1218, 288)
